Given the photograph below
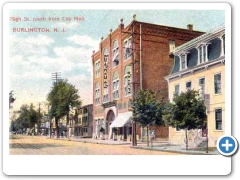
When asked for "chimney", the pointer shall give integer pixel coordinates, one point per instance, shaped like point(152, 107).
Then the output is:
point(190, 27)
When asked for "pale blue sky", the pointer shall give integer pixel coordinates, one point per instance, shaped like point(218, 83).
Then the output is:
point(34, 56)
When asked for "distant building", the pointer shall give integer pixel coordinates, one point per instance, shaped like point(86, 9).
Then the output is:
point(200, 64)
point(83, 122)
point(130, 58)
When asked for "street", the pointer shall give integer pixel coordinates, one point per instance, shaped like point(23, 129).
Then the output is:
point(41, 145)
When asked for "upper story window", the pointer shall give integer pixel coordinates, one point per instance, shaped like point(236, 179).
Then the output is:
point(217, 83)
point(188, 85)
point(97, 69)
point(127, 80)
point(115, 85)
point(222, 38)
point(202, 53)
point(201, 84)
point(183, 61)
point(177, 90)
point(171, 46)
point(97, 94)
point(115, 53)
point(127, 48)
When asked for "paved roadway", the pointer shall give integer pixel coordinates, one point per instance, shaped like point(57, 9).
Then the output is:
point(40, 145)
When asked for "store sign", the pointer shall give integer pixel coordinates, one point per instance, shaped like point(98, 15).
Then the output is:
point(105, 84)
point(129, 82)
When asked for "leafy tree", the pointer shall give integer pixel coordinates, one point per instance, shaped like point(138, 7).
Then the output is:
point(28, 116)
point(187, 111)
point(147, 109)
point(11, 99)
point(62, 97)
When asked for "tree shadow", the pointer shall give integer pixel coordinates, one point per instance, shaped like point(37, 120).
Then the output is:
point(33, 146)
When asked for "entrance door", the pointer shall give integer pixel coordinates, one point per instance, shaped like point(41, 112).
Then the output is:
point(110, 118)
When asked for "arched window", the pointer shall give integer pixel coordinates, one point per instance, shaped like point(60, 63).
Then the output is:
point(127, 80)
point(127, 48)
point(97, 94)
point(97, 68)
point(115, 85)
point(115, 53)
point(202, 53)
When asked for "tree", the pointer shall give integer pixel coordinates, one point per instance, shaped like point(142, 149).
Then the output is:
point(187, 111)
point(147, 109)
point(62, 97)
point(11, 99)
point(27, 118)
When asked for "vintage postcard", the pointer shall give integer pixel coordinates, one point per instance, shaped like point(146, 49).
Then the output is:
point(117, 87)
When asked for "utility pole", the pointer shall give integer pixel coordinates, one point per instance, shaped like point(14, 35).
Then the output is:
point(38, 123)
point(56, 76)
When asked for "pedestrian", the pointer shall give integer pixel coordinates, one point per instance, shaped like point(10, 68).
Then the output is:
point(152, 137)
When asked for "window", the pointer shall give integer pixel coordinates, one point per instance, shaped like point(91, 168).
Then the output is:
point(202, 53)
point(127, 49)
point(171, 46)
point(201, 84)
point(183, 61)
point(178, 128)
point(115, 85)
point(97, 94)
point(115, 53)
point(222, 38)
point(176, 92)
point(97, 69)
point(188, 85)
point(217, 83)
point(218, 119)
point(127, 80)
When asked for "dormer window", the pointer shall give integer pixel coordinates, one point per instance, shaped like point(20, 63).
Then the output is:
point(202, 53)
point(127, 48)
point(222, 38)
point(183, 61)
point(115, 53)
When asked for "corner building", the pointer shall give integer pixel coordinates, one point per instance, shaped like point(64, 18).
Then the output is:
point(134, 57)
point(200, 65)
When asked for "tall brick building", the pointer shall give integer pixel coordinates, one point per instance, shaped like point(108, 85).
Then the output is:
point(134, 57)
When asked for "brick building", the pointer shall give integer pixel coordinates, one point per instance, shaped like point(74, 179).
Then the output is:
point(200, 65)
point(134, 57)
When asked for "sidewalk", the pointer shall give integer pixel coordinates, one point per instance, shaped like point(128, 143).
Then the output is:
point(157, 146)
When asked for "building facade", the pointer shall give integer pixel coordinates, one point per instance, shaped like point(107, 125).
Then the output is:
point(130, 58)
point(83, 122)
point(200, 65)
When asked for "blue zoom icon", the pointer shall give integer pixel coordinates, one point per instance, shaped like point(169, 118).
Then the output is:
point(227, 145)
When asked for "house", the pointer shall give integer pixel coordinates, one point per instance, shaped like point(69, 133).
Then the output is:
point(200, 65)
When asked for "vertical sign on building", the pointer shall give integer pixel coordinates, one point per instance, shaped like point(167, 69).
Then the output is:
point(207, 102)
point(105, 85)
point(129, 82)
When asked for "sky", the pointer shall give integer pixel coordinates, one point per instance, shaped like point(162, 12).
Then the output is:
point(33, 56)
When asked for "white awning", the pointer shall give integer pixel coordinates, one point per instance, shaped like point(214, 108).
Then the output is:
point(121, 119)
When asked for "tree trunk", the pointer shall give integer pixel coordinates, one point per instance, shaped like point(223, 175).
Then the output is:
point(147, 136)
point(186, 139)
point(57, 127)
point(67, 125)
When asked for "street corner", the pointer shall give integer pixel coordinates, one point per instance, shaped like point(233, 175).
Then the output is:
point(227, 145)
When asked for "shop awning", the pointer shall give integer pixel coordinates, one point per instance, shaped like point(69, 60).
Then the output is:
point(121, 119)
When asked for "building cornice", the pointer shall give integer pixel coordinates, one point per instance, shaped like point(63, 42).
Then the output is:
point(215, 33)
point(196, 68)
